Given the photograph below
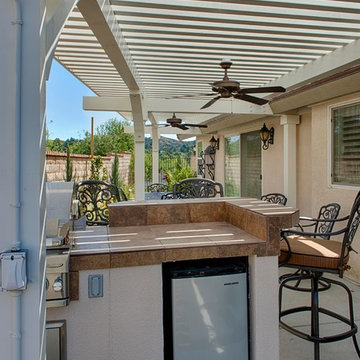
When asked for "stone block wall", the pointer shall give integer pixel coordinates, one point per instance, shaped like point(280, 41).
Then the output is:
point(56, 166)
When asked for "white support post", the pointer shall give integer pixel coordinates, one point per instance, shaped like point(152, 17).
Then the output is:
point(289, 123)
point(139, 167)
point(155, 153)
point(264, 307)
point(139, 134)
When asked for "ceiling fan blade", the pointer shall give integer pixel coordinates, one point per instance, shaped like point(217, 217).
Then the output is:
point(182, 127)
point(193, 95)
point(196, 125)
point(210, 102)
point(268, 89)
point(252, 99)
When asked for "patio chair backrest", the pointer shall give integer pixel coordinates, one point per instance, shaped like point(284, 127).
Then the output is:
point(353, 223)
point(275, 198)
point(326, 212)
point(94, 197)
point(197, 188)
point(157, 187)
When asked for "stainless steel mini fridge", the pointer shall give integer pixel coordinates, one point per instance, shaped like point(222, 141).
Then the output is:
point(209, 313)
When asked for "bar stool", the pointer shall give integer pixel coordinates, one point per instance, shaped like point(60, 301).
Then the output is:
point(316, 255)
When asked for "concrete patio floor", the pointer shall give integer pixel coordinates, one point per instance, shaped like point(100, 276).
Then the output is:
point(295, 348)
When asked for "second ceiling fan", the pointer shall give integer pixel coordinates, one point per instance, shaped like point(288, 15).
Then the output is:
point(177, 122)
point(227, 88)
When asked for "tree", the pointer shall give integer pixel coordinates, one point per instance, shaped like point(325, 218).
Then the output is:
point(114, 176)
point(109, 137)
point(55, 145)
point(69, 167)
point(148, 166)
point(95, 166)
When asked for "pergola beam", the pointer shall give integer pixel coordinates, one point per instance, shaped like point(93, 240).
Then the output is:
point(122, 104)
point(101, 19)
point(336, 61)
point(165, 130)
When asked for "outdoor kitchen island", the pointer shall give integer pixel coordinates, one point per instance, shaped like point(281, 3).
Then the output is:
point(116, 307)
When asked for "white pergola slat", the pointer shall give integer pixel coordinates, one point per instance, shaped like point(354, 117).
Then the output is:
point(174, 48)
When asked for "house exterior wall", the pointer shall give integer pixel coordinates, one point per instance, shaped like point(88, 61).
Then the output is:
point(304, 166)
point(272, 161)
point(322, 191)
point(313, 157)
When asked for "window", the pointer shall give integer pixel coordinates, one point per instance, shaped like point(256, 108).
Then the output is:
point(346, 145)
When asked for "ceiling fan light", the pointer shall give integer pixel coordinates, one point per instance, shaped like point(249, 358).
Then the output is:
point(226, 63)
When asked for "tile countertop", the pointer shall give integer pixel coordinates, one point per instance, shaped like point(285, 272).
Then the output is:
point(152, 232)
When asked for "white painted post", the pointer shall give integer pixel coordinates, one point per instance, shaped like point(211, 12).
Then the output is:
point(155, 153)
point(289, 122)
point(139, 169)
point(22, 334)
point(264, 307)
point(139, 133)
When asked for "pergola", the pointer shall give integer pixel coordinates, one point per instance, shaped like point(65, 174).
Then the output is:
point(141, 56)
point(137, 55)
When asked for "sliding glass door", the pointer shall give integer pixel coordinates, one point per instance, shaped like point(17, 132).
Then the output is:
point(243, 165)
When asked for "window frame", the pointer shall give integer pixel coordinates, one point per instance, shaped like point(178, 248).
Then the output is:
point(331, 108)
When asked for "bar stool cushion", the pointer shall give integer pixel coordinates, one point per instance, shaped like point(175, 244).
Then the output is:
point(312, 252)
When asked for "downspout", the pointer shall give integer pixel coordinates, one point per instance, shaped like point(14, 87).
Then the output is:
point(16, 243)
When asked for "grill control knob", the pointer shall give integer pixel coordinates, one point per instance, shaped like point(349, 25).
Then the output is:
point(47, 284)
point(58, 284)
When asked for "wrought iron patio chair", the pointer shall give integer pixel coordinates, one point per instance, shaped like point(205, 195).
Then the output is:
point(197, 188)
point(275, 198)
point(311, 252)
point(319, 225)
point(157, 187)
point(94, 197)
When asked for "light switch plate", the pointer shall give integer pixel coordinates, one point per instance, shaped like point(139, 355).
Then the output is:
point(95, 286)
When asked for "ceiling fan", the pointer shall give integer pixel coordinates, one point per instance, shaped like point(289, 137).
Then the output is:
point(176, 122)
point(227, 88)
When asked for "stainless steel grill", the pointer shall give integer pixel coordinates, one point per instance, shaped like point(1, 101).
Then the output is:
point(57, 277)
point(58, 224)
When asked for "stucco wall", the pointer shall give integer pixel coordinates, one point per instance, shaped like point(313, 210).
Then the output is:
point(127, 322)
point(272, 161)
point(304, 166)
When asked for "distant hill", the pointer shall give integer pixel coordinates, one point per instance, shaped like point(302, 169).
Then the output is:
point(171, 146)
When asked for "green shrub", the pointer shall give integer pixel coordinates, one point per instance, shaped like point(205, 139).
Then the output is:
point(180, 173)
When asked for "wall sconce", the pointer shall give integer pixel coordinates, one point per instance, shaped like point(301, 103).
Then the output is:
point(214, 143)
point(266, 136)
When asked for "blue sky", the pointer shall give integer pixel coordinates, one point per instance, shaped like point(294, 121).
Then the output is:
point(64, 113)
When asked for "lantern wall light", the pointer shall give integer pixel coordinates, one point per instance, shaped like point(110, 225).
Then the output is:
point(267, 137)
point(214, 143)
